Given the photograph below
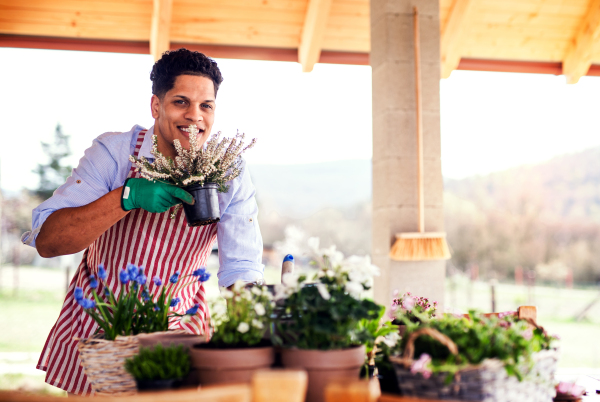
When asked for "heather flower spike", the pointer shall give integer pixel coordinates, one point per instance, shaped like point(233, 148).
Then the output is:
point(218, 162)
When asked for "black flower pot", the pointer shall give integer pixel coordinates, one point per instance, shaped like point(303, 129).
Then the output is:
point(144, 385)
point(206, 209)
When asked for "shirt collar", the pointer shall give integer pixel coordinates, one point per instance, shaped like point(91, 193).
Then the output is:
point(146, 148)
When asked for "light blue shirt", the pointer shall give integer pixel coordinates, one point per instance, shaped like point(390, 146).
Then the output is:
point(105, 167)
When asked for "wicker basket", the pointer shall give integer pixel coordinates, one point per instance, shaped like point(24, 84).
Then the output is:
point(104, 363)
point(487, 381)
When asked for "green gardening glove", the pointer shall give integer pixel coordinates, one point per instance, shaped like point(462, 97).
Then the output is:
point(153, 196)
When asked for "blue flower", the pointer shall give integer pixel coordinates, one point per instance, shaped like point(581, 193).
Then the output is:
point(141, 278)
point(193, 310)
point(124, 277)
point(204, 277)
point(156, 308)
point(107, 292)
point(157, 281)
point(174, 278)
point(145, 295)
point(175, 301)
point(78, 294)
point(93, 282)
point(199, 271)
point(132, 270)
point(101, 272)
point(86, 303)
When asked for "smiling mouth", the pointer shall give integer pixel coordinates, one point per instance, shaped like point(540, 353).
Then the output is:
point(186, 130)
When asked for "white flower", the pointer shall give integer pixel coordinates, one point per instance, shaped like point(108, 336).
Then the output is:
point(246, 295)
point(335, 257)
point(219, 309)
point(257, 324)
point(237, 299)
point(256, 290)
point(313, 244)
point(243, 327)
point(323, 291)
point(391, 339)
point(330, 273)
point(260, 309)
point(354, 289)
point(238, 285)
point(226, 293)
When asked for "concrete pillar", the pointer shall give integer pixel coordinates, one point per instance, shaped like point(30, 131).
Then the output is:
point(394, 143)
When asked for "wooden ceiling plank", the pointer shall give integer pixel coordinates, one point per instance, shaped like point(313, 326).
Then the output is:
point(579, 55)
point(453, 33)
point(160, 31)
point(313, 32)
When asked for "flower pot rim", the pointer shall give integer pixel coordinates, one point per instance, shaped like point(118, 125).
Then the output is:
point(195, 186)
point(230, 349)
point(232, 359)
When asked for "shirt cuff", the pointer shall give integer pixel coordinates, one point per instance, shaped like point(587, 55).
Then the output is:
point(229, 276)
point(28, 238)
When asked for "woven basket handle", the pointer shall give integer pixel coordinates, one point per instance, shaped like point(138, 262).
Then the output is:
point(409, 350)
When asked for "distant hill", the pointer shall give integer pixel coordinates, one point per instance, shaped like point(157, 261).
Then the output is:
point(567, 186)
point(301, 190)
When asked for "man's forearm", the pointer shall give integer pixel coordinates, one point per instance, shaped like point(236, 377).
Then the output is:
point(70, 230)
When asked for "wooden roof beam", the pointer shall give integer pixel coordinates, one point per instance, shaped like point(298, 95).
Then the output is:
point(160, 39)
point(578, 58)
point(453, 34)
point(313, 32)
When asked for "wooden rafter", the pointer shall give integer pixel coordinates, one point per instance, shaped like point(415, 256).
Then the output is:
point(161, 27)
point(579, 55)
point(452, 36)
point(313, 31)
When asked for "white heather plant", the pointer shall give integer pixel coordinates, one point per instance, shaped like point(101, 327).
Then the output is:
point(218, 162)
point(246, 317)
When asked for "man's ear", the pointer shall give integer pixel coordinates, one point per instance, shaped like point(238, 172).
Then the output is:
point(155, 106)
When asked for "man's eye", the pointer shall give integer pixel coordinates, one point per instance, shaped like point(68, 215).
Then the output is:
point(207, 106)
point(180, 102)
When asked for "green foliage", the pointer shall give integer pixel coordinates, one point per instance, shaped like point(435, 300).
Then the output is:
point(245, 319)
point(159, 363)
point(53, 174)
point(322, 308)
point(478, 338)
point(382, 339)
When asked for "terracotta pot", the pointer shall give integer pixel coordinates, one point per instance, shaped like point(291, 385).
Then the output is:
point(218, 366)
point(323, 366)
point(170, 337)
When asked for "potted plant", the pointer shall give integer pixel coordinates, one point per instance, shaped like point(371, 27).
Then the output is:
point(201, 171)
point(237, 348)
point(476, 358)
point(160, 367)
point(121, 318)
point(380, 345)
point(318, 320)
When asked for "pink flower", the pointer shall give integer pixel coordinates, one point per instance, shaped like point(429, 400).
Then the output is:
point(408, 303)
point(564, 387)
point(395, 293)
point(421, 365)
point(570, 388)
point(528, 334)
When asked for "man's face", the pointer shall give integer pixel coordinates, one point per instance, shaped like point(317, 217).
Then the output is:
point(190, 101)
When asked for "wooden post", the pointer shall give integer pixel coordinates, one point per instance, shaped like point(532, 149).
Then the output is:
point(16, 266)
point(493, 286)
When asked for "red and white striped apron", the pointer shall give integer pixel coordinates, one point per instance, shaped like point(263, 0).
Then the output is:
point(154, 241)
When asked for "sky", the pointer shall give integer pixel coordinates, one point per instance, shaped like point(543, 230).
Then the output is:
point(489, 121)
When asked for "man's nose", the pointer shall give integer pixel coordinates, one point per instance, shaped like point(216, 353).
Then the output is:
point(195, 114)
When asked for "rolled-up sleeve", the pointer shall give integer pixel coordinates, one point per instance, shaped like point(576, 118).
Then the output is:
point(96, 175)
point(238, 233)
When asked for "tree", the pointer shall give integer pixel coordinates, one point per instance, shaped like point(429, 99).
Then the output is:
point(53, 174)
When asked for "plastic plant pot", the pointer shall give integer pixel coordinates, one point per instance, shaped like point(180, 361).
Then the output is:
point(146, 385)
point(206, 209)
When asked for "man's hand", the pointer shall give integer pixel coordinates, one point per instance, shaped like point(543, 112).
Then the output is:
point(153, 196)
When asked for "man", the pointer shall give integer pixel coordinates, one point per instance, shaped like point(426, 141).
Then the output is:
point(120, 218)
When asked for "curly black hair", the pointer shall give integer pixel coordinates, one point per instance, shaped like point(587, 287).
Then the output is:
point(182, 62)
